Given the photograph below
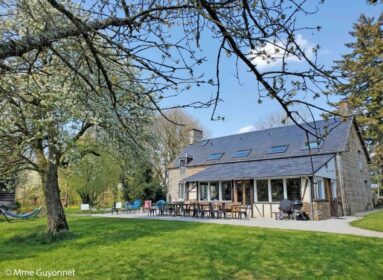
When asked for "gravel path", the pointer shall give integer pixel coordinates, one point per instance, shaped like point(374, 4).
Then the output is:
point(334, 225)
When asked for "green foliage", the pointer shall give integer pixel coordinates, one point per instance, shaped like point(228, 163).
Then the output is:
point(143, 249)
point(138, 181)
point(362, 70)
point(92, 175)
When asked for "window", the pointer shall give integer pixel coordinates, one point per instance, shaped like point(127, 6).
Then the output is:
point(203, 188)
point(317, 144)
point(320, 194)
point(293, 188)
point(202, 142)
point(214, 191)
point(226, 190)
point(242, 153)
point(277, 149)
point(276, 189)
point(215, 156)
point(262, 190)
point(182, 191)
point(182, 162)
point(333, 189)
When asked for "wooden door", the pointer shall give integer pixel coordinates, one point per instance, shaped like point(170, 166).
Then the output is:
point(333, 203)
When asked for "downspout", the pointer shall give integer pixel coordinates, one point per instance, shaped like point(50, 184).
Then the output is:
point(339, 167)
point(311, 179)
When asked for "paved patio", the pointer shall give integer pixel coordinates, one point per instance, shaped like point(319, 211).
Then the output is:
point(334, 225)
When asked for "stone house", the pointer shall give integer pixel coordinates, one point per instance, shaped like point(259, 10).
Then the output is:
point(330, 176)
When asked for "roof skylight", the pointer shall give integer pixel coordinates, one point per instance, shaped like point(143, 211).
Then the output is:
point(277, 149)
point(241, 153)
point(215, 156)
point(317, 144)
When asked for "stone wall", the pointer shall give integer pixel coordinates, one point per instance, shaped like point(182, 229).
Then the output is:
point(356, 177)
point(321, 209)
point(176, 175)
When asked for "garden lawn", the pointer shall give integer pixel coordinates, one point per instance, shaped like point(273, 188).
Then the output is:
point(373, 221)
point(105, 248)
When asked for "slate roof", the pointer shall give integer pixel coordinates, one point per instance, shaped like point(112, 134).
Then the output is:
point(261, 141)
point(298, 166)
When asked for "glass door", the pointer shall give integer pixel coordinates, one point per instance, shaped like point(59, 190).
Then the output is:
point(244, 192)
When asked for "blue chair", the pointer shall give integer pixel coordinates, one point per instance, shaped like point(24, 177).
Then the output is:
point(134, 206)
point(158, 206)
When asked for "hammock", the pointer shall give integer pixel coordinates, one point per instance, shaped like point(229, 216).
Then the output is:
point(26, 216)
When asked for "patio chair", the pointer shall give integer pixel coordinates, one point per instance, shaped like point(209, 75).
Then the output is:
point(85, 207)
point(222, 211)
point(187, 209)
point(147, 204)
point(198, 211)
point(233, 209)
point(159, 207)
point(117, 206)
point(134, 206)
point(169, 209)
point(213, 213)
point(244, 211)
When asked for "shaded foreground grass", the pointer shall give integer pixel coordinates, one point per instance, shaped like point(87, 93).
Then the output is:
point(103, 248)
point(373, 221)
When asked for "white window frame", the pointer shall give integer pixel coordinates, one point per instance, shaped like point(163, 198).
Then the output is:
point(200, 190)
point(182, 191)
point(320, 189)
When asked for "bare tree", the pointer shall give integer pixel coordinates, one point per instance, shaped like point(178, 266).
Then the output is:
point(171, 139)
point(278, 118)
point(141, 34)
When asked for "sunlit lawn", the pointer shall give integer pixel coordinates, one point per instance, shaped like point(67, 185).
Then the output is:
point(105, 248)
point(373, 221)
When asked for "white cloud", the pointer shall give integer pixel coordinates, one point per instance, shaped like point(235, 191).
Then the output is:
point(247, 129)
point(271, 55)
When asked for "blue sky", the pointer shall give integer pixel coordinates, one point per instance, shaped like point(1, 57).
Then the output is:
point(240, 107)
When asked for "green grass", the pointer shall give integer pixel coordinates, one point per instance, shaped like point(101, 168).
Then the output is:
point(102, 248)
point(373, 221)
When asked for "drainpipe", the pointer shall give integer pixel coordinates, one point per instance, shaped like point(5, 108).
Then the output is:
point(339, 167)
point(311, 179)
point(312, 197)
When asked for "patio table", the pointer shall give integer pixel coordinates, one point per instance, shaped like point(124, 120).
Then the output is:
point(176, 208)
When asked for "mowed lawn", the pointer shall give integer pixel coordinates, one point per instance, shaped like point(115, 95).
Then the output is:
point(373, 221)
point(103, 248)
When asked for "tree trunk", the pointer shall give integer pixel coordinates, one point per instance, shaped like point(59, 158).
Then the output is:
point(55, 212)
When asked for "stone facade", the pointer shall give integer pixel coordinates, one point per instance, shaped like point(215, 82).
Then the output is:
point(176, 175)
point(355, 179)
point(321, 209)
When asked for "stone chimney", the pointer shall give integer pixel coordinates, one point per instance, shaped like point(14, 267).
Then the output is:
point(195, 135)
point(344, 108)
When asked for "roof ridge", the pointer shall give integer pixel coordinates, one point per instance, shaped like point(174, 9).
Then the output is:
point(271, 128)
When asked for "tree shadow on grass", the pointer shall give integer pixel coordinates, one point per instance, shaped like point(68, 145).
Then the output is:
point(85, 233)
